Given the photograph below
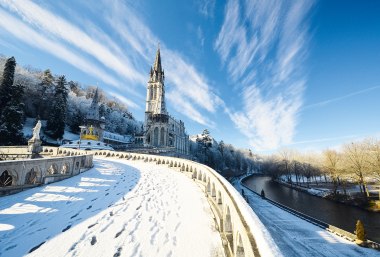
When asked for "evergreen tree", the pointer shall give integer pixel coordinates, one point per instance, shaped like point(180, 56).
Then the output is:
point(45, 90)
point(360, 232)
point(12, 118)
point(56, 122)
point(77, 120)
point(7, 82)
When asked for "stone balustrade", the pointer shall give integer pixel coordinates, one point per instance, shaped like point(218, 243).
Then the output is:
point(229, 208)
point(231, 218)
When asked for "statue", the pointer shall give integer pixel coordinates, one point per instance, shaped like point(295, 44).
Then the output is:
point(34, 144)
point(36, 131)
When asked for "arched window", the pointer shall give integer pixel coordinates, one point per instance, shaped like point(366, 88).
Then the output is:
point(31, 177)
point(155, 137)
point(5, 179)
point(162, 137)
point(150, 93)
point(155, 93)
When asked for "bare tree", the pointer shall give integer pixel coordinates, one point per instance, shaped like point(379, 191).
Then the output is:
point(331, 163)
point(356, 160)
point(374, 157)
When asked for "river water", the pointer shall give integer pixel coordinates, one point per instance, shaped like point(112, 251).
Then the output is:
point(337, 214)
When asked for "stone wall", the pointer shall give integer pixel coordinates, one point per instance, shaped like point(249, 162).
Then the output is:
point(16, 175)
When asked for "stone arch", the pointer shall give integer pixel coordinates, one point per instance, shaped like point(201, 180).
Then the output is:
point(155, 136)
point(208, 186)
point(32, 177)
point(162, 137)
point(53, 169)
point(65, 168)
point(204, 177)
point(239, 252)
point(6, 179)
point(200, 175)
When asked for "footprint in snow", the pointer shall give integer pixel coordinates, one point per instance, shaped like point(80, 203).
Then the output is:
point(66, 228)
point(118, 253)
point(36, 247)
point(93, 240)
point(92, 225)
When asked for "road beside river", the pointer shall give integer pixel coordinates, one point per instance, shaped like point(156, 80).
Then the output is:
point(337, 214)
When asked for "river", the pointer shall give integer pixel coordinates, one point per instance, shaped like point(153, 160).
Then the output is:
point(337, 214)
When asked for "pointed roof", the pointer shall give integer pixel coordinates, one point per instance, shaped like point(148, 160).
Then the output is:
point(95, 100)
point(157, 63)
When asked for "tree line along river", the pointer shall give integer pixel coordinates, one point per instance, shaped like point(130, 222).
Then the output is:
point(337, 214)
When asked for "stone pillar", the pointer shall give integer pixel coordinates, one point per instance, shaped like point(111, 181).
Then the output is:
point(34, 147)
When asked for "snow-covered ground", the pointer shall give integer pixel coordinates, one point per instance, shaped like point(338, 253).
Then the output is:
point(297, 237)
point(118, 208)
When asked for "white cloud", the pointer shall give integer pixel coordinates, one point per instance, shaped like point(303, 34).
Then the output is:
point(339, 98)
point(32, 37)
point(206, 7)
point(58, 27)
point(263, 45)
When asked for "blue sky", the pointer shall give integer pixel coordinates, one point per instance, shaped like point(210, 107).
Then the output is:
point(258, 74)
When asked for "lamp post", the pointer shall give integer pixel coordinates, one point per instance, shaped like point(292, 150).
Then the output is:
point(80, 135)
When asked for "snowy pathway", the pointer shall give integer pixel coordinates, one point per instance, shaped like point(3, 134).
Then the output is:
point(297, 237)
point(118, 208)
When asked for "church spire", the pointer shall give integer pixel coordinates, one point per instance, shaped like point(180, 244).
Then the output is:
point(157, 63)
point(95, 100)
point(157, 73)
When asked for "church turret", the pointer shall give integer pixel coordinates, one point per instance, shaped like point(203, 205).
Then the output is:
point(94, 124)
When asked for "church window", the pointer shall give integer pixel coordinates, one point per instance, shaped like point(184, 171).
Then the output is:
point(155, 93)
point(150, 93)
point(155, 137)
point(162, 135)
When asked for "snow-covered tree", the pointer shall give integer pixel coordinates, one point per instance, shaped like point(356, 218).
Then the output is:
point(7, 82)
point(12, 117)
point(56, 122)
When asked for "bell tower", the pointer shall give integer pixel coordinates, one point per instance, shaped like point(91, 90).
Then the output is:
point(156, 116)
point(155, 96)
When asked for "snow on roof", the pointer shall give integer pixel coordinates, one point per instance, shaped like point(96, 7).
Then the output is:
point(117, 137)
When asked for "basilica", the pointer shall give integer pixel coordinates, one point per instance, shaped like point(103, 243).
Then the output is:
point(161, 129)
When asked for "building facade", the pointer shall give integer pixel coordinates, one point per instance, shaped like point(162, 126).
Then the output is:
point(160, 129)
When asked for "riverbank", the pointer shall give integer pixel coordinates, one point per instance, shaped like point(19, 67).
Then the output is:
point(368, 205)
point(335, 213)
point(297, 237)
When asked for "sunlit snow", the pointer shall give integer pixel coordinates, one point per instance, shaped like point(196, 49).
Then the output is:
point(117, 208)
